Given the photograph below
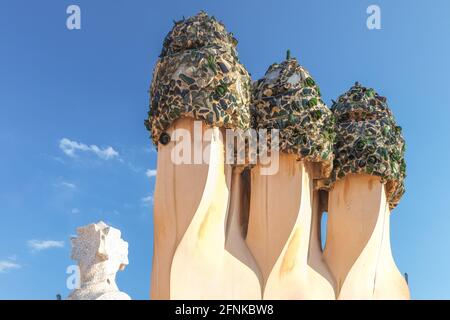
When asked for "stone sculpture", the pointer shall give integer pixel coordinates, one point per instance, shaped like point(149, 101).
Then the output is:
point(281, 235)
point(367, 183)
point(288, 99)
point(227, 231)
point(368, 140)
point(199, 77)
point(100, 253)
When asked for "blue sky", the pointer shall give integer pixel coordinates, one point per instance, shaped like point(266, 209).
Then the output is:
point(89, 87)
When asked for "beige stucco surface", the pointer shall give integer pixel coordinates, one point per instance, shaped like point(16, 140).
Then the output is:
point(281, 234)
point(225, 233)
point(358, 249)
point(191, 260)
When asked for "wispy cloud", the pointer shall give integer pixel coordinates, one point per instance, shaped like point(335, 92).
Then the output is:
point(75, 211)
point(150, 173)
point(65, 185)
point(38, 245)
point(68, 185)
point(6, 265)
point(147, 201)
point(70, 148)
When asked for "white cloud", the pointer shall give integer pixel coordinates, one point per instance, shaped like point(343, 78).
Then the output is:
point(70, 148)
point(6, 265)
point(147, 201)
point(150, 173)
point(39, 245)
point(68, 185)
